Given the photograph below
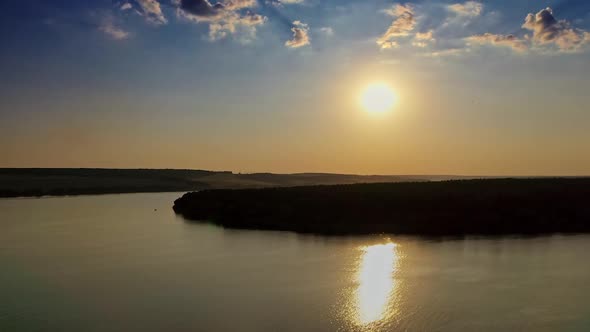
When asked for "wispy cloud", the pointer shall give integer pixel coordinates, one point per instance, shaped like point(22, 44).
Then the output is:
point(469, 8)
point(126, 6)
point(462, 14)
point(404, 23)
point(446, 52)
point(108, 27)
point(423, 39)
point(428, 35)
point(328, 31)
point(511, 41)
point(300, 35)
point(152, 11)
point(286, 2)
point(224, 18)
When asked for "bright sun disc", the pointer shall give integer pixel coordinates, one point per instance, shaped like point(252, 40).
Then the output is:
point(378, 98)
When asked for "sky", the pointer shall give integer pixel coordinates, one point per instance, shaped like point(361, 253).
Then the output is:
point(483, 87)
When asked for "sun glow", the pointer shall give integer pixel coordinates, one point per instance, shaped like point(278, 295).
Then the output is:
point(378, 98)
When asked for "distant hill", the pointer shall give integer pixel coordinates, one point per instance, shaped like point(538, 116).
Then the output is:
point(16, 182)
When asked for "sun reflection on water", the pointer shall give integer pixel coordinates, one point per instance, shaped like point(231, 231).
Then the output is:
point(375, 295)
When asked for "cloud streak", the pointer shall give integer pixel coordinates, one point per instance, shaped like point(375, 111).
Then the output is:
point(511, 41)
point(152, 11)
point(126, 6)
point(328, 31)
point(469, 8)
point(285, 2)
point(404, 23)
point(423, 39)
point(108, 27)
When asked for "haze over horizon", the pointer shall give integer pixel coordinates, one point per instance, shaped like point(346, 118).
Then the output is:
point(469, 88)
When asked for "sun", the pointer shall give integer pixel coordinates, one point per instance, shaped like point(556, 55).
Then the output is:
point(378, 98)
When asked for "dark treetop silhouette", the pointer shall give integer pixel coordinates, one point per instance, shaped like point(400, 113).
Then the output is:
point(88, 181)
point(493, 206)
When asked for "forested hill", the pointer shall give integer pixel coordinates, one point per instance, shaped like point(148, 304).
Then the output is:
point(68, 181)
point(486, 207)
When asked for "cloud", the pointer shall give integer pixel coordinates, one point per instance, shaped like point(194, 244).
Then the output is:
point(446, 52)
point(223, 17)
point(229, 25)
point(152, 11)
point(280, 3)
point(469, 8)
point(462, 15)
point(423, 39)
point(239, 4)
point(201, 10)
point(108, 27)
point(287, 2)
point(428, 35)
point(126, 6)
point(300, 35)
point(402, 26)
point(204, 10)
point(547, 30)
point(511, 41)
point(328, 31)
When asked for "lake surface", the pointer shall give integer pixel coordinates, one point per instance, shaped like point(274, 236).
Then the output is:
point(127, 263)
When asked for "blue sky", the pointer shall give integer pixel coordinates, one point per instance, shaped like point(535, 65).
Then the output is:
point(196, 84)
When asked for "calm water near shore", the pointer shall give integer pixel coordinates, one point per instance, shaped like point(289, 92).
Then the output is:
point(127, 263)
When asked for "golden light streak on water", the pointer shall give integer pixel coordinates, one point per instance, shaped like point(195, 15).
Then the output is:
point(375, 295)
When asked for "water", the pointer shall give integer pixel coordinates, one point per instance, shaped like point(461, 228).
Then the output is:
point(127, 263)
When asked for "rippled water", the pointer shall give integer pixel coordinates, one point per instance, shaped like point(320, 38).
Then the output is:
point(127, 263)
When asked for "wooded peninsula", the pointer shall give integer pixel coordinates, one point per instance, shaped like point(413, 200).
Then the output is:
point(458, 207)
